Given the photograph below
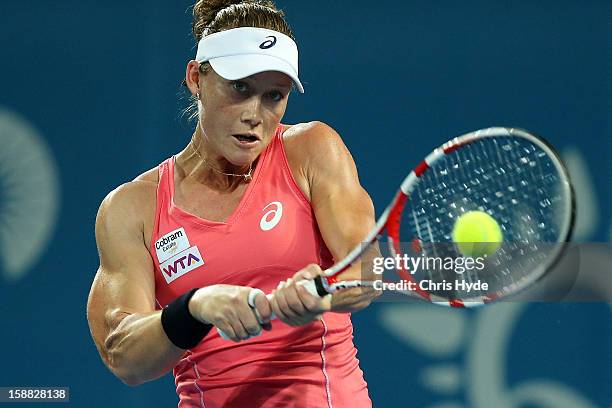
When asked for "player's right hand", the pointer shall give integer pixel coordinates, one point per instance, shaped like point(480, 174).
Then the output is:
point(226, 307)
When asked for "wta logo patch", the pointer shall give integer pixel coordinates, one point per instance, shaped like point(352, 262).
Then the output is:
point(181, 264)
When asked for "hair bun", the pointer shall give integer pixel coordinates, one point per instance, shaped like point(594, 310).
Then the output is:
point(205, 11)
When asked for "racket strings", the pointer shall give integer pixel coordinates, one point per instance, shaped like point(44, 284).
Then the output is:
point(458, 184)
point(510, 178)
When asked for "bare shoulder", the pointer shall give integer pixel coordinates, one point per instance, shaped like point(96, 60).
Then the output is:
point(130, 197)
point(130, 206)
point(127, 198)
point(309, 146)
point(317, 153)
point(151, 175)
point(313, 137)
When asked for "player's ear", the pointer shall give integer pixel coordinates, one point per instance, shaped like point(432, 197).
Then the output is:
point(192, 77)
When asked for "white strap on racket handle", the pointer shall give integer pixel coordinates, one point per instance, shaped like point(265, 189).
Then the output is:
point(308, 284)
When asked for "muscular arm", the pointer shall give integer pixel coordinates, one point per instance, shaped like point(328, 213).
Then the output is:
point(121, 312)
point(343, 209)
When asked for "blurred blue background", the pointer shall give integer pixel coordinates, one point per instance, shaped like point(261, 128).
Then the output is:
point(90, 97)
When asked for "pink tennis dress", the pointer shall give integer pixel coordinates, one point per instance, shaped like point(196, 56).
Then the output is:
point(271, 235)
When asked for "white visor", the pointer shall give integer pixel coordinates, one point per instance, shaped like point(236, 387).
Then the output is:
point(245, 51)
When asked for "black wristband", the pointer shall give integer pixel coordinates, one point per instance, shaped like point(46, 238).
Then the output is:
point(182, 329)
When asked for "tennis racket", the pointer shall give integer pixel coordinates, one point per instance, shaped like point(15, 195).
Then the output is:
point(512, 175)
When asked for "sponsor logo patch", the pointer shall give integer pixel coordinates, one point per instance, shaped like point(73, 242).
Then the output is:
point(182, 263)
point(171, 244)
point(271, 218)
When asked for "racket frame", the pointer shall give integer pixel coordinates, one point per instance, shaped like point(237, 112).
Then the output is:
point(390, 218)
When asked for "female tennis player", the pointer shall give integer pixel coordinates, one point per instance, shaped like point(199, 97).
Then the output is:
point(248, 203)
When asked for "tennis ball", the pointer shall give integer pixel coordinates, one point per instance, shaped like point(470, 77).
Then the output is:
point(477, 234)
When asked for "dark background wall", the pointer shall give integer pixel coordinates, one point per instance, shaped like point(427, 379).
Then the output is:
point(89, 98)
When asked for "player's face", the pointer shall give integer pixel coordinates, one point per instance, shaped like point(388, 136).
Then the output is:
point(239, 117)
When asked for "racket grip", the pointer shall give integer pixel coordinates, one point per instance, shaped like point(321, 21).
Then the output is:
point(310, 286)
point(251, 301)
point(314, 286)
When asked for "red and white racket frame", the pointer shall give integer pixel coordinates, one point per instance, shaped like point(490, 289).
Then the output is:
point(390, 220)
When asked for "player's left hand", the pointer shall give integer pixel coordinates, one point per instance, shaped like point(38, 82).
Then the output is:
point(293, 304)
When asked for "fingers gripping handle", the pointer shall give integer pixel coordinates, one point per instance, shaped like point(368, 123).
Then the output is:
point(315, 287)
point(251, 301)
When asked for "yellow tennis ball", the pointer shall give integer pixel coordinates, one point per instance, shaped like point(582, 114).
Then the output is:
point(477, 234)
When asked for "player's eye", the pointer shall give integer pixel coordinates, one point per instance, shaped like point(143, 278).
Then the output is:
point(276, 96)
point(240, 86)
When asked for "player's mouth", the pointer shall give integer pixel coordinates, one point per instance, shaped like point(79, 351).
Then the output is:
point(247, 139)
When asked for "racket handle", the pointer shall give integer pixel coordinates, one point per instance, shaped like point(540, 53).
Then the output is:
point(251, 301)
point(310, 286)
point(314, 286)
